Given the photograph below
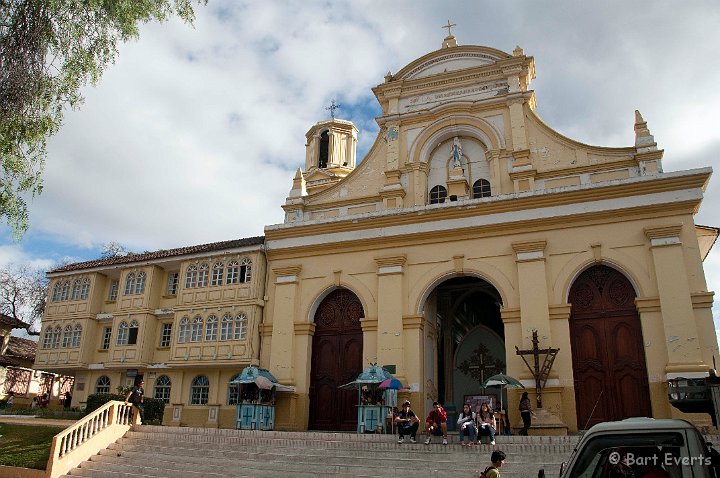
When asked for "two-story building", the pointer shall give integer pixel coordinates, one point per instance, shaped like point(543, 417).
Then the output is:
point(469, 227)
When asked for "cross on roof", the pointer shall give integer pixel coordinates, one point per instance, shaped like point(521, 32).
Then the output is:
point(332, 108)
point(449, 26)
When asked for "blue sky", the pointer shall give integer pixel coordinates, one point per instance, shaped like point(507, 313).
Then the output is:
point(195, 133)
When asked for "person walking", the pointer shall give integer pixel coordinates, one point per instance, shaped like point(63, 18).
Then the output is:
point(497, 458)
point(407, 423)
point(466, 425)
point(486, 422)
point(137, 398)
point(436, 424)
point(525, 413)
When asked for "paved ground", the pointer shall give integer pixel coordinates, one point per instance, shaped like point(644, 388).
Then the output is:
point(30, 420)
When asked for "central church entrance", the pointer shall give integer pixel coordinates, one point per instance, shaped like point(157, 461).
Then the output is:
point(470, 345)
point(336, 360)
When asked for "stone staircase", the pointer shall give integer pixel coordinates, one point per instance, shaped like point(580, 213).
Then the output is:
point(149, 451)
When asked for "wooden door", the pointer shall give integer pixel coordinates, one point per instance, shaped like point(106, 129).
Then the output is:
point(336, 360)
point(607, 349)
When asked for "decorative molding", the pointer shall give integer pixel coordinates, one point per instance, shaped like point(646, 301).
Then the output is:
point(287, 271)
point(390, 264)
point(647, 304)
point(369, 325)
point(683, 369)
point(510, 315)
point(560, 311)
point(413, 322)
point(663, 232)
point(304, 328)
point(702, 300)
point(529, 246)
point(266, 330)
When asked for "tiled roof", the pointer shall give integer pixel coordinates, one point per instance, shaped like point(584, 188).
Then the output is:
point(161, 254)
point(12, 322)
point(6, 361)
point(21, 348)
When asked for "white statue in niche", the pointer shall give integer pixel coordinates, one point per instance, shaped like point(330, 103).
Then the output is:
point(456, 152)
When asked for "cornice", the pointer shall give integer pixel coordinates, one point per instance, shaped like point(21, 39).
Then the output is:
point(493, 205)
point(529, 246)
point(662, 232)
point(702, 300)
point(484, 231)
point(304, 328)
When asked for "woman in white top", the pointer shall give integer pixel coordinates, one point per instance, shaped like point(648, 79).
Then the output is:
point(466, 426)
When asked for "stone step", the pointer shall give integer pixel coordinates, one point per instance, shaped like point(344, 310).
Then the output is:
point(416, 452)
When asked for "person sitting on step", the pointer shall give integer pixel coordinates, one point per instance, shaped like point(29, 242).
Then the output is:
point(436, 423)
point(486, 420)
point(407, 423)
point(466, 425)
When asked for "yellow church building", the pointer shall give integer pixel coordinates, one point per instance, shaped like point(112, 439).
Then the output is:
point(469, 226)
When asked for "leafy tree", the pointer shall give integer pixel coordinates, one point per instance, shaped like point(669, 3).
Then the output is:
point(23, 293)
point(49, 49)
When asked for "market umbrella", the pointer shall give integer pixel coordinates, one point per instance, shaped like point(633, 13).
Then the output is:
point(391, 383)
point(501, 380)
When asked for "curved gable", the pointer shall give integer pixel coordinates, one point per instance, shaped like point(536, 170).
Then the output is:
point(450, 59)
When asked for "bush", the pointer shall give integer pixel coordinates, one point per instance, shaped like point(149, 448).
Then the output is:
point(154, 408)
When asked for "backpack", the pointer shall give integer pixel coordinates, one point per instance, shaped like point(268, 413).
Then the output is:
point(483, 474)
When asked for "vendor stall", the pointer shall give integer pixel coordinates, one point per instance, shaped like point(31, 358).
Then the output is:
point(256, 398)
point(375, 403)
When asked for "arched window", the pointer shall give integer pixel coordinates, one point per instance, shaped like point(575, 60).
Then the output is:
point(47, 338)
point(85, 289)
point(102, 385)
point(183, 330)
point(67, 336)
point(196, 330)
point(199, 389)
point(162, 388)
point(240, 327)
point(226, 327)
point(438, 195)
point(122, 337)
point(191, 277)
point(133, 332)
point(324, 150)
point(233, 271)
point(140, 283)
point(77, 332)
point(211, 326)
point(65, 290)
point(56, 292)
point(203, 275)
point(56, 337)
point(75, 290)
point(245, 270)
point(130, 283)
point(217, 275)
point(481, 189)
point(233, 392)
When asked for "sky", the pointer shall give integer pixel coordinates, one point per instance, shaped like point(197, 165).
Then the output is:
point(194, 134)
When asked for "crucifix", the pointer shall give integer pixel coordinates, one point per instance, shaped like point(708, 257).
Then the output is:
point(332, 108)
point(449, 26)
point(540, 374)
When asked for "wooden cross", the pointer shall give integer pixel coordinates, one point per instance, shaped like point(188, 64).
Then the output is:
point(540, 374)
point(332, 108)
point(449, 26)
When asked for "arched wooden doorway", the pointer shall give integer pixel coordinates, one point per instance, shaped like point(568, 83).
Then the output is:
point(607, 349)
point(336, 360)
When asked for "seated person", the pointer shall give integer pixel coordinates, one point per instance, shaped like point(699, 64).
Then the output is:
point(466, 425)
point(407, 423)
point(486, 422)
point(436, 423)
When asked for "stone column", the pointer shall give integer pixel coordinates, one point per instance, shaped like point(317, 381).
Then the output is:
point(676, 306)
point(532, 284)
point(389, 321)
point(283, 326)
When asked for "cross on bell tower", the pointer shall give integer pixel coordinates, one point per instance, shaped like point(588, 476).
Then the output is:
point(333, 106)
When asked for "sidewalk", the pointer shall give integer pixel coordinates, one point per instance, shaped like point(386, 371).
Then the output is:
point(31, 420)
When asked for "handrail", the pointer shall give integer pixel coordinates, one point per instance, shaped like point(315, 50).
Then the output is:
point(89, 435)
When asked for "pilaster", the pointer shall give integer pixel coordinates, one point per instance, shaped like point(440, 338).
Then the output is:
point(390, 335)
point(283, 330)
point(532, 284)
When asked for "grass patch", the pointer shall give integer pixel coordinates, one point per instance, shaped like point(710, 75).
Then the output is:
point(26, 446)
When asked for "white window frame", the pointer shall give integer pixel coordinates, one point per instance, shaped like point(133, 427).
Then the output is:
point(163, 387)
point(233, 272)
point(184, 330)
point(196, 329)
point(166, 335)
point(199, 390)
point(226, 327)
point(218, 271)
point(211, 328)
point(240, 328)
point(122, 335)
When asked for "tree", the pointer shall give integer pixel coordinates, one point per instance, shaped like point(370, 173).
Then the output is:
point(113, 249)
point(23, 293)
point(49, 49)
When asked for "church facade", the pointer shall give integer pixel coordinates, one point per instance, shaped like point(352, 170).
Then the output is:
point(469, 228)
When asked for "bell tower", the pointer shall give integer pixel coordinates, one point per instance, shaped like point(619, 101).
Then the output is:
point(329, 153)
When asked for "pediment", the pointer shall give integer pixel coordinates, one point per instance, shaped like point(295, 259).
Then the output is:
point(450, 59)
point(318, 175)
